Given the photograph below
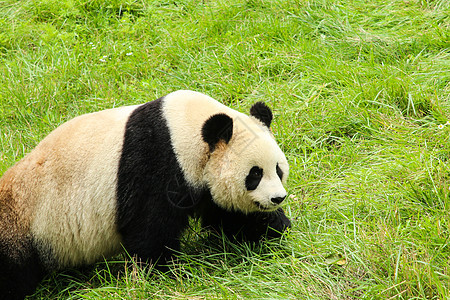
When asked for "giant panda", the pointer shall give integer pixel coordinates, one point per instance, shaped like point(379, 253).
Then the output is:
point(130, 178)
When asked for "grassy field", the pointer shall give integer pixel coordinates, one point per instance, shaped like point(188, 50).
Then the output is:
point(360, 91)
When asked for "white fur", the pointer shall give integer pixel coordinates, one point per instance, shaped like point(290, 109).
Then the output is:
point(73, 185)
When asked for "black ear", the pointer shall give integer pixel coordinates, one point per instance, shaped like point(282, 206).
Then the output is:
point(217, 127)
point(262, 112)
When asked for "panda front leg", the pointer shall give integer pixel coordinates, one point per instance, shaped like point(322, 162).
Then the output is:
point(247, 227)
point(154, 239)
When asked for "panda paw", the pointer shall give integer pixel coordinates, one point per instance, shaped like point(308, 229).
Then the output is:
point(246, 227)
point(266, 225)
point(277, 223)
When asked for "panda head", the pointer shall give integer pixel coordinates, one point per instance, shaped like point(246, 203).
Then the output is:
point(246, 169)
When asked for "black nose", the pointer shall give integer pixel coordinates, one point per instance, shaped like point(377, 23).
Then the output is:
point(277, 200)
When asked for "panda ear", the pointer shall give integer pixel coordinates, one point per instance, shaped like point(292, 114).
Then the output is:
point(218, 127)
point(262, 112)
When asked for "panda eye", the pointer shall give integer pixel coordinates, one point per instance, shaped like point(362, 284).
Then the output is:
point(256, 171)
point(253, 178)
point(279, 172)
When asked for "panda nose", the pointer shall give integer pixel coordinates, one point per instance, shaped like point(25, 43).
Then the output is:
point(277, 200)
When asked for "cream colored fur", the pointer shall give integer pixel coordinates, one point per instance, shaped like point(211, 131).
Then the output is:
point(65, 188)
point(64, 191)
point(224, 172)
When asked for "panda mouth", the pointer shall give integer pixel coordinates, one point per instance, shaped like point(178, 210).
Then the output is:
point(261, 207)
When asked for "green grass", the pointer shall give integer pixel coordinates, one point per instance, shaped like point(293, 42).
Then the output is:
point(359, 90)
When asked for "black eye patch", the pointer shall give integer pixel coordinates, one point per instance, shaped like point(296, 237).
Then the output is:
point(253, 178)
point(279, 172)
